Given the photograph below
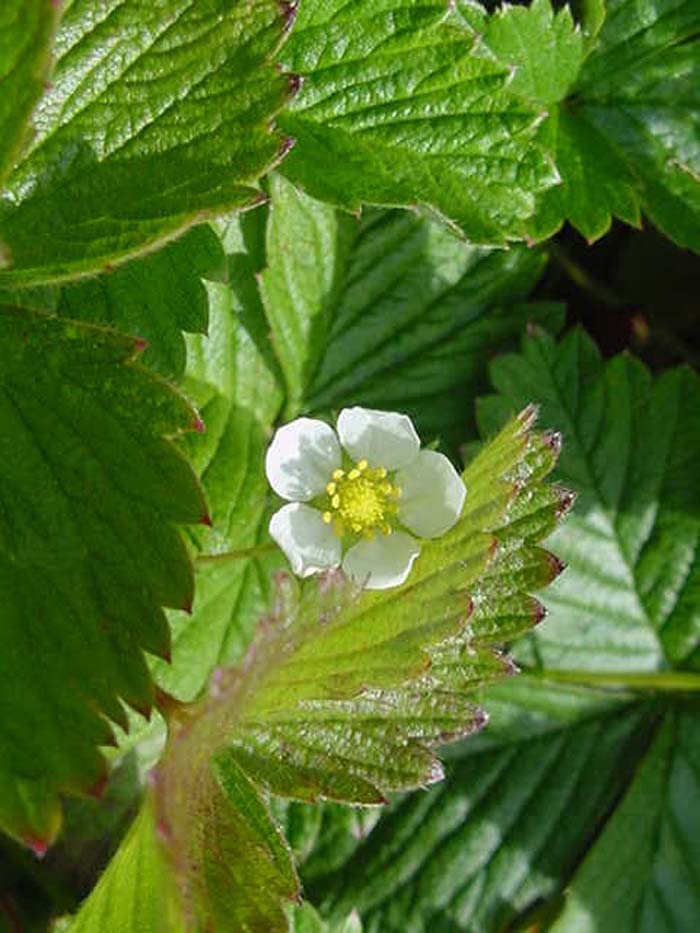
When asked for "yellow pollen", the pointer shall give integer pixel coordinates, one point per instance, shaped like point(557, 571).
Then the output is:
point(361, 501)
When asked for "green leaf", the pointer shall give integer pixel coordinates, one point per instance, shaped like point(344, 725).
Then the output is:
point(624, 139)
point(231, 375)
point(304, 919)
point(158, 117)
point(343, 696)
point(505, 828)
point(643, 874)
point(89, 552)
point(632, 451)
point(307, 252)
point(26, 31)
point(155, 298)
point(240, 852)
point(544, 48)
point(499, 843)
point(137, 893)
point(400, 105)
point(391, 311)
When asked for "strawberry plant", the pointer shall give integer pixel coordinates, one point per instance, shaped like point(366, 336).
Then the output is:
point(349, 449)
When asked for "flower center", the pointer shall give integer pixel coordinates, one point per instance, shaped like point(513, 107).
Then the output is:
point(361, 500)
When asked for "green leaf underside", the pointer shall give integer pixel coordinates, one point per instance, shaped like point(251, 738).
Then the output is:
point(401, 106)
point(344, 695)
point(155, 298)
point(90, 492)
point(391, 311)
point(629, 601)
point(505, 829)
point(624, 138)
point(231, 377)
point(25, 35)
point(159, 116)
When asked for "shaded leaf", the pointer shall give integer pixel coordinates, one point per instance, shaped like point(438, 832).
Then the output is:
point(235, 387)
point(89, 554)
point(643, 874)
point(156, 297)
point(391, 312)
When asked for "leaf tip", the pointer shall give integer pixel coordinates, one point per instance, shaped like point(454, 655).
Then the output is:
point(98, 788)
point(553, 440)
point(294, 82)
point(539, 610)
point(38, 846)
point(481, 717)
point(566, 499)
point(187, 606)
point(206, 520)
point(556, 564)
point(436, 773)
point(289, 10)
point(528, 416)
point(288, 144)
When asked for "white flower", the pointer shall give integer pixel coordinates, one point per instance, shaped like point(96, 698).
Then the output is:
point(358, 497)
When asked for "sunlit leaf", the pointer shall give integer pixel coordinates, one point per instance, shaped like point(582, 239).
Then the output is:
point(158, 116)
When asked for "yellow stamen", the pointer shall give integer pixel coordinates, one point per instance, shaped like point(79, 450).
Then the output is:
point(361, 501)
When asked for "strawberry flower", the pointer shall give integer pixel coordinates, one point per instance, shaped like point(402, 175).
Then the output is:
point(360, 498)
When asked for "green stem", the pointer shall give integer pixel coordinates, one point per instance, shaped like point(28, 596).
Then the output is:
point(256, 551)
point(664, 681)
point(582, 277)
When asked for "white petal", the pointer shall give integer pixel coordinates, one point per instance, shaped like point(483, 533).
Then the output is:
point(383, 438)
point(308, 543)
point(383, 561)
point(432, 494)
point(301, 459)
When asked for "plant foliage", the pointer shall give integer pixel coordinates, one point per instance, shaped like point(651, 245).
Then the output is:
point(218, 216)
